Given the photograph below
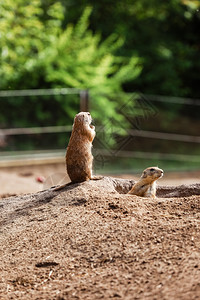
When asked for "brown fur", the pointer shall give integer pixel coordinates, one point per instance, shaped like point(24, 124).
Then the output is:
point(146, 186)
point(79, 159)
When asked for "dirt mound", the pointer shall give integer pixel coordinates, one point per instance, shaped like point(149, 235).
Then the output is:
point(93, 241)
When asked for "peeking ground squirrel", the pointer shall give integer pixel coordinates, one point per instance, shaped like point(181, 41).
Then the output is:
point(79, 157)
point(146, 186)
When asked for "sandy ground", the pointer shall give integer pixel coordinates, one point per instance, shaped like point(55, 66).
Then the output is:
point(93, 241)
point(27, 179)
point(31, 179)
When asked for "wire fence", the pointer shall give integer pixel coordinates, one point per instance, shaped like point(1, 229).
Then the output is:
point(14, 158)
point(134, 133)
point(174, 100)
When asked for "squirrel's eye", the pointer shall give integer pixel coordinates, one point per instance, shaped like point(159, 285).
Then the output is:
point(152, 169)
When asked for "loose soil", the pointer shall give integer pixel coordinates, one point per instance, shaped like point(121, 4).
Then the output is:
point(93, 241)
point(21, 180)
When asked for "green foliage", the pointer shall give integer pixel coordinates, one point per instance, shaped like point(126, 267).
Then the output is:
point(165, 34)
point(24, 34)
point(80, 59)
point(36, 52)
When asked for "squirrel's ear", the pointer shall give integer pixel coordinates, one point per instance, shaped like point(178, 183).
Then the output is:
point(79, 118)
point(76, 117)
point(144, 174)
point(86, 118)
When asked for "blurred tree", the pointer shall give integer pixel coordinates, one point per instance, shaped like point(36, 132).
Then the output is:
point(80, 59)
point(163, 33)
point(24, 34)
point(37, 52)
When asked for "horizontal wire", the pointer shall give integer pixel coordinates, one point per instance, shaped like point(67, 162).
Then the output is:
point(165, 136)
point(148, 155)
point(174, 100)
point(131, 132)
point(35, 130)
point(66, 91)
point(59, 153)
point(40, 92)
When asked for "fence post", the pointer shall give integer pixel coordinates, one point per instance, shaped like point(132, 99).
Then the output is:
point(84, 100)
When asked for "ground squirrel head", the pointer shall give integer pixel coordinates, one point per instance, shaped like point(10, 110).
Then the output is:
point(152, 174)
point(83, 119)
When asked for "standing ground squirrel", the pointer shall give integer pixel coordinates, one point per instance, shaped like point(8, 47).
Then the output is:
point(146, 186)
point(79, 157)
